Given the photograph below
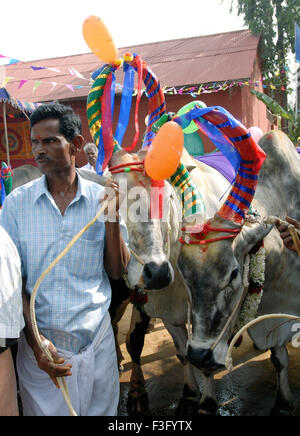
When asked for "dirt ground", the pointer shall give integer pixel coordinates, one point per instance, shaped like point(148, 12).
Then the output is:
point(248, 390)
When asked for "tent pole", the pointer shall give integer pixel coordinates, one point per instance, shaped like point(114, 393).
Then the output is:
point(5, 134)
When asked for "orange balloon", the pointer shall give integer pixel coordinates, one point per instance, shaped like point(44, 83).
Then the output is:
point(99, 39)
point(164, 154)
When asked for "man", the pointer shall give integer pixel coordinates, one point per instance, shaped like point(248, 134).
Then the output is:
point(285, 234)
point(91, 153)
point(73, 300)
point(11, 321)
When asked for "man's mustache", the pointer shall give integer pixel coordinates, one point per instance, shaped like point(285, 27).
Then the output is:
point(42, 158)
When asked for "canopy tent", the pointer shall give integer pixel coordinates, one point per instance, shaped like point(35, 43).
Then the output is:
point(14, 138)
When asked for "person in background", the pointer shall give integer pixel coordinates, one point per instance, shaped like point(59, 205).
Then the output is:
point(91, 153)
point(72, 302)
point(11, 321)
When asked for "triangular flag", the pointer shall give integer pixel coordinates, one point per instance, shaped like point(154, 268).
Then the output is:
point(22, 82)
point(5, 81)
point(53, 86)
point(36, 85)
point(37, 68)
point(70, 87)
point(53, 69)
point(77, 74)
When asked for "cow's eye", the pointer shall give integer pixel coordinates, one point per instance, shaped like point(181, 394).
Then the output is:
point(234, 274)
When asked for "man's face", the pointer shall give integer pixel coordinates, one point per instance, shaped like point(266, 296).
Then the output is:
point(91, 155)
point(51, 150)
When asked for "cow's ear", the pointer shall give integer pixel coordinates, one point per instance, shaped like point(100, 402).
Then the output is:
point(251, 234)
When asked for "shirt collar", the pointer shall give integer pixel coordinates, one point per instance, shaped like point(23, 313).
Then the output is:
point(42, 189)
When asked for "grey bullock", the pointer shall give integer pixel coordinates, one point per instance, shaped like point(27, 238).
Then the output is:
point(215, 277)
point(171, 302)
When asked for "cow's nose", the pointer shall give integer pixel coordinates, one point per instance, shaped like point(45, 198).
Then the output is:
point(202, 358)
point(157, 276)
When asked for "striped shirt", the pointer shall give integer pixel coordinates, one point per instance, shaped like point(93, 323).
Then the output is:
point(74, 297)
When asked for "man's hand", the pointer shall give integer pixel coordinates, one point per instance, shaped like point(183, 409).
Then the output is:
point(285, 234)
point(53, 369)
point(112, 195)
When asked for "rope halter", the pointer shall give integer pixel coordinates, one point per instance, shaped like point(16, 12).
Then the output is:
point(199, 233)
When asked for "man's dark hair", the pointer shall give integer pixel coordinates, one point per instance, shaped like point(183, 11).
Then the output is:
point(69, 123)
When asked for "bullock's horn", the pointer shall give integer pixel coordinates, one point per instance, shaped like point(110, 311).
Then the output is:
point(99, 106)
point(251, 157)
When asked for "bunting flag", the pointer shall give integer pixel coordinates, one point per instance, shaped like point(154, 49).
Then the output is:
point(36, 85)
point(194, 91)
point(72, 71)
point(22, 83)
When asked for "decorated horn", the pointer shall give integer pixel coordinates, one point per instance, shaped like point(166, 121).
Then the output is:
point(236, 143)
point(100, 103)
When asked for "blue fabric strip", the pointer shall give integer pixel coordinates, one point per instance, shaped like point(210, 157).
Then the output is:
point(244, 188)
point(226, 124)
point(235, 208)
point(199, 112)
point(2, 193)
point(97, 72)
point(147, 78)
point(218, 138)
point(240, 199)
point(148, 87)
point(222, 143)
point(240, 138)
point(154, 113)
point(245, 168)
point(153, 93)
point(101, 155)
point(247, 176)
point(126, 102)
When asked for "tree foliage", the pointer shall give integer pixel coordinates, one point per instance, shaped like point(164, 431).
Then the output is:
point(275, 21)
point(293, 119)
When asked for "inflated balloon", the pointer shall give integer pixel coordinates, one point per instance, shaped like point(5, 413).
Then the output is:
point(99, 39)
point(256, 133)
point(192, 127)
point(164, 154)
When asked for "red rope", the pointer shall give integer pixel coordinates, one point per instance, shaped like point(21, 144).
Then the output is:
point(200, 236)
point(122, 167)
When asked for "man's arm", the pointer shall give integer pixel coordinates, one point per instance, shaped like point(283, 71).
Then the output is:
point(116, 254)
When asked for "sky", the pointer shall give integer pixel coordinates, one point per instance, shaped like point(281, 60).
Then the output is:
point(36, 29)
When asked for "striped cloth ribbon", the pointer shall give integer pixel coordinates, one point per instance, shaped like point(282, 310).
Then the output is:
point(187, 192)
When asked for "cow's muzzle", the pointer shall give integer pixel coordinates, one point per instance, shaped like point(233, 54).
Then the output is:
point(157, 276)
point(202, 358)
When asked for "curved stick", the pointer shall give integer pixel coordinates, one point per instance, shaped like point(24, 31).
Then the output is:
point(43, 344)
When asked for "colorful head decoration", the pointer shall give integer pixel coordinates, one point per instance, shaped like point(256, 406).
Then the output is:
point(236, 143)
point(5, 182)
point(100, 105)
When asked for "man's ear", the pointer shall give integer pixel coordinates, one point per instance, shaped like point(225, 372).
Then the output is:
point(77, 144)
